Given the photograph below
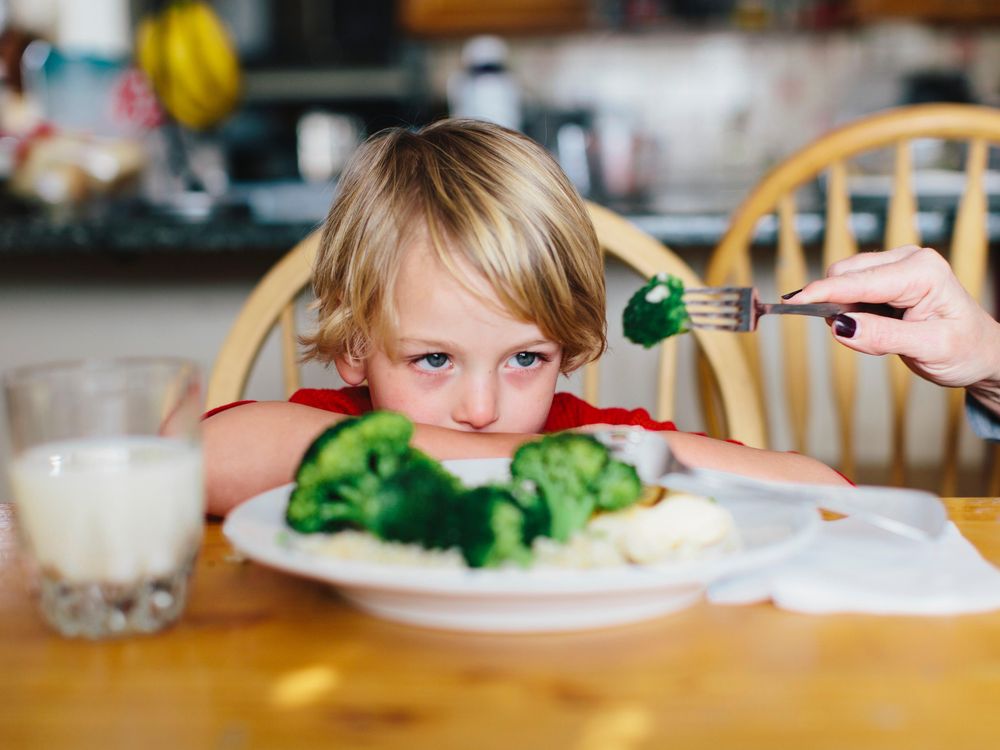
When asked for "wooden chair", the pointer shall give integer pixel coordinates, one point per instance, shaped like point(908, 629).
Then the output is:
point(272, 303)
point(731, 261)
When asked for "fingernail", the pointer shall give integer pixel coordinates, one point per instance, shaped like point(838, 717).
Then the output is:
point(791, 294)
point(845, 326)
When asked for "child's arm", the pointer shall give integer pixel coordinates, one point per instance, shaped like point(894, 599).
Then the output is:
point(253, 447)
point(709, 453)
point(257, 446)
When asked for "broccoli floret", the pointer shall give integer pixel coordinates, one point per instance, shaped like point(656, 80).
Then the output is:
point(490, 525)
point(340, 476)
point(484, 523)
point(569, 475)
point(617, 487)
point(415, 501)
point(656, 311)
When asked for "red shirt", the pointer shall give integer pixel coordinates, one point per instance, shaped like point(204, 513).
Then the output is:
point(567, 410)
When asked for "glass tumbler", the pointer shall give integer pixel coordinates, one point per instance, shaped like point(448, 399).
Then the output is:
point(106, 470)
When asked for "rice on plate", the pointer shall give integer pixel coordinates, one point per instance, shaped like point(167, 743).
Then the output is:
point(677, 527)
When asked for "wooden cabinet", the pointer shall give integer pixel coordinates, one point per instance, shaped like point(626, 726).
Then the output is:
point(928, 10)
point(457, 17)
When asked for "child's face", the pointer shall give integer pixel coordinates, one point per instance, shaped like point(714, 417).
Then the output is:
point(459, 361)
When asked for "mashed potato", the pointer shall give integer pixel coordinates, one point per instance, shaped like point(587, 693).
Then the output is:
point(678, 527)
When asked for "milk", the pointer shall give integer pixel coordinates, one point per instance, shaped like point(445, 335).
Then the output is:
point(110, 510)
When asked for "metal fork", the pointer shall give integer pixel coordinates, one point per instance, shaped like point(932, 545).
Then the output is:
point(910, 513)
point(738, 308)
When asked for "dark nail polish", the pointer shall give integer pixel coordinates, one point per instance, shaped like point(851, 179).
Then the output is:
point(845, 326)
point(791, 294)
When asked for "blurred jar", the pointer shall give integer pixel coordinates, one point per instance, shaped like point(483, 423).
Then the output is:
point(325, 141)
point(485, 89)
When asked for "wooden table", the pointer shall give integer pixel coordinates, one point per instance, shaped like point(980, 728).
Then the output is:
point(261, 659)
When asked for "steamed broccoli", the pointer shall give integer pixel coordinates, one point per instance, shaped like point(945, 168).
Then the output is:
point(341, 473)
point(562, 479)
point(363, 473)
point(656, 311)
point(484, 523)
point(489, 525)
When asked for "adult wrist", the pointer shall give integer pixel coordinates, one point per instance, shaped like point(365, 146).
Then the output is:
point(987, 390)
point(987, 393)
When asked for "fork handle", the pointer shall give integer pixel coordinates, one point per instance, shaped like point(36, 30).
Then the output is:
point(831, 309)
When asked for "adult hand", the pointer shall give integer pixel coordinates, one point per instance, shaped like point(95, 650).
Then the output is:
point(944, 336)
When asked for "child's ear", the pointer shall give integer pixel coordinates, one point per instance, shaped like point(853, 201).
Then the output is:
point(352, 371)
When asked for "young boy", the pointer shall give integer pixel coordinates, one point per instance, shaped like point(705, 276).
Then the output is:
point(458, 276)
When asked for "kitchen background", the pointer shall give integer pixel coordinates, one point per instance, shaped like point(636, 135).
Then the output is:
point(124, 235)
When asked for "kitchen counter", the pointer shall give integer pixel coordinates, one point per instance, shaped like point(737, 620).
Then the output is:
point(264, 230)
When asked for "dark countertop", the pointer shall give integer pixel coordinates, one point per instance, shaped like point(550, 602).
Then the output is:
point(35, 236)
point(29, 237)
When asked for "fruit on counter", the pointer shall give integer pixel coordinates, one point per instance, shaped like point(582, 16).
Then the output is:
point(191, 61)
point(63, 169)
point(656, 311)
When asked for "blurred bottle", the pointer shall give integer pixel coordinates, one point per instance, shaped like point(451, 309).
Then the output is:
point(484, 89)
point(325, 141)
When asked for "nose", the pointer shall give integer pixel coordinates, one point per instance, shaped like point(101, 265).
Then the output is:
point(477, 405)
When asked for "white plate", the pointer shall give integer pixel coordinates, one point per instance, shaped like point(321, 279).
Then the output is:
point(519, 600)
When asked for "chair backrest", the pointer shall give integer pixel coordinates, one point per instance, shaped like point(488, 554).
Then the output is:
point(273, 301)
point(976, 127)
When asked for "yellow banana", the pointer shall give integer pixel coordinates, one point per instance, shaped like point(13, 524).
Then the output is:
point(214, 51)
point(183, 82)
point(191, 62)
point(146, 41)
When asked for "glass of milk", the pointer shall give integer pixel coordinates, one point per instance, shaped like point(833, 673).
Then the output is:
point(106, 470)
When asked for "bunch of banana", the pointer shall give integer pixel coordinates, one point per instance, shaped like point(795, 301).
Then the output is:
point(191, 61)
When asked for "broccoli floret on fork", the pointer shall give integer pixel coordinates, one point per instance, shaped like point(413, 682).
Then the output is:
point(656, 311)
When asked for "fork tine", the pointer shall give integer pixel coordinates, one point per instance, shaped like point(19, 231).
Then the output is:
point(714, 290)
point(720, 308)
point(720, 318)
point(733, 325)
point(714, 308)
point(712, 301)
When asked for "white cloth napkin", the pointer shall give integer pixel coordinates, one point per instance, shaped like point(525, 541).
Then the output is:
point(853, 567)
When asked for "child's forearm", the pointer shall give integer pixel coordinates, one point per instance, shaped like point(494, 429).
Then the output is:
point(697, 450)
point(443, 443)
point(254, 447)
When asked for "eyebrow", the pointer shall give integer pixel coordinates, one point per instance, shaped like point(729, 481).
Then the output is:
point(442, 345)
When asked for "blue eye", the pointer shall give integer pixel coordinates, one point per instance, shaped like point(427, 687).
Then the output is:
point(524, 359)
point(434, 361)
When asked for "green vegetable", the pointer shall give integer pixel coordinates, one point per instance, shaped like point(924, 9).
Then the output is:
point(487, 524)
point(562, 479)
point(341, 474)
point(484, 523)
point(364, 474)
point(656, 311)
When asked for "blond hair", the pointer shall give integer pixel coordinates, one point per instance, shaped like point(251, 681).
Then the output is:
point(483, 194)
